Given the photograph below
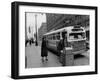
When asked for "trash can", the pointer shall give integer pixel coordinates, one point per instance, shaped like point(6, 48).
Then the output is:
point(67, 57)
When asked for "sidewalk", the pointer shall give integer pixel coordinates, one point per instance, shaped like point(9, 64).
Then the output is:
point(33, 55)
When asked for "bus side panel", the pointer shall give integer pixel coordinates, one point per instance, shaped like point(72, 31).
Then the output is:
point(52, 45)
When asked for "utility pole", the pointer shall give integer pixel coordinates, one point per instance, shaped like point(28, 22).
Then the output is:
point(36, 42)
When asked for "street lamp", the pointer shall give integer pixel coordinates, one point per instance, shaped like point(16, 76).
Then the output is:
point(36, 42)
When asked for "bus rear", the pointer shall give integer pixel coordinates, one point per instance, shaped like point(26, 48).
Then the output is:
point(77, 40)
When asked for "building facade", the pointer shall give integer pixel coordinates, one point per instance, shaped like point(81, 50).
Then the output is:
point(41, 31)
point(57, 21)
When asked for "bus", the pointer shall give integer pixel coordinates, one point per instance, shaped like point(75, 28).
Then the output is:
point(76, 39)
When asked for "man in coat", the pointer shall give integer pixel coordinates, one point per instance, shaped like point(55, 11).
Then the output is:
point(61, 45)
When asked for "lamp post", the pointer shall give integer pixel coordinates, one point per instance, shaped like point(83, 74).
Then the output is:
point(36, 42)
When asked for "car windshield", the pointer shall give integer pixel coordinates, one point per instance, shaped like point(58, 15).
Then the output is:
point(74, 36)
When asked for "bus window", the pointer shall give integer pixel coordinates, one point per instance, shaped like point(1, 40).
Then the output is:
point(77, 29)
point(50, 37)
point(58, 36)
point(73, 36)
point(47, 37)
point(53, 36)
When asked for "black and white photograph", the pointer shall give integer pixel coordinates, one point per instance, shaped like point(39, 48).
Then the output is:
point(56, 40)
point(51, 40)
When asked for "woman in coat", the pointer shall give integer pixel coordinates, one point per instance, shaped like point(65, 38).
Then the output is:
point(44, 53)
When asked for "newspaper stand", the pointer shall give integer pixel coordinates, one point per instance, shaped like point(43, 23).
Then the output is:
point(67, 57)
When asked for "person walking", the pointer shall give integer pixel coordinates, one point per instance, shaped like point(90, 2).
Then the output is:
point(44, 52)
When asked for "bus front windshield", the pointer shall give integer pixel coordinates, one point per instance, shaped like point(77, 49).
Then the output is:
point(75, 36)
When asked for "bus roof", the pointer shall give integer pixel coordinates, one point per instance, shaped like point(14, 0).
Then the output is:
point(68, 29)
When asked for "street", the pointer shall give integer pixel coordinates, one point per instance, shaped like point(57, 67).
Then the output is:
point(33, 58)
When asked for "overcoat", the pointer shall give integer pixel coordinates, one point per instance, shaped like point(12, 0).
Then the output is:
point(44, 48)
